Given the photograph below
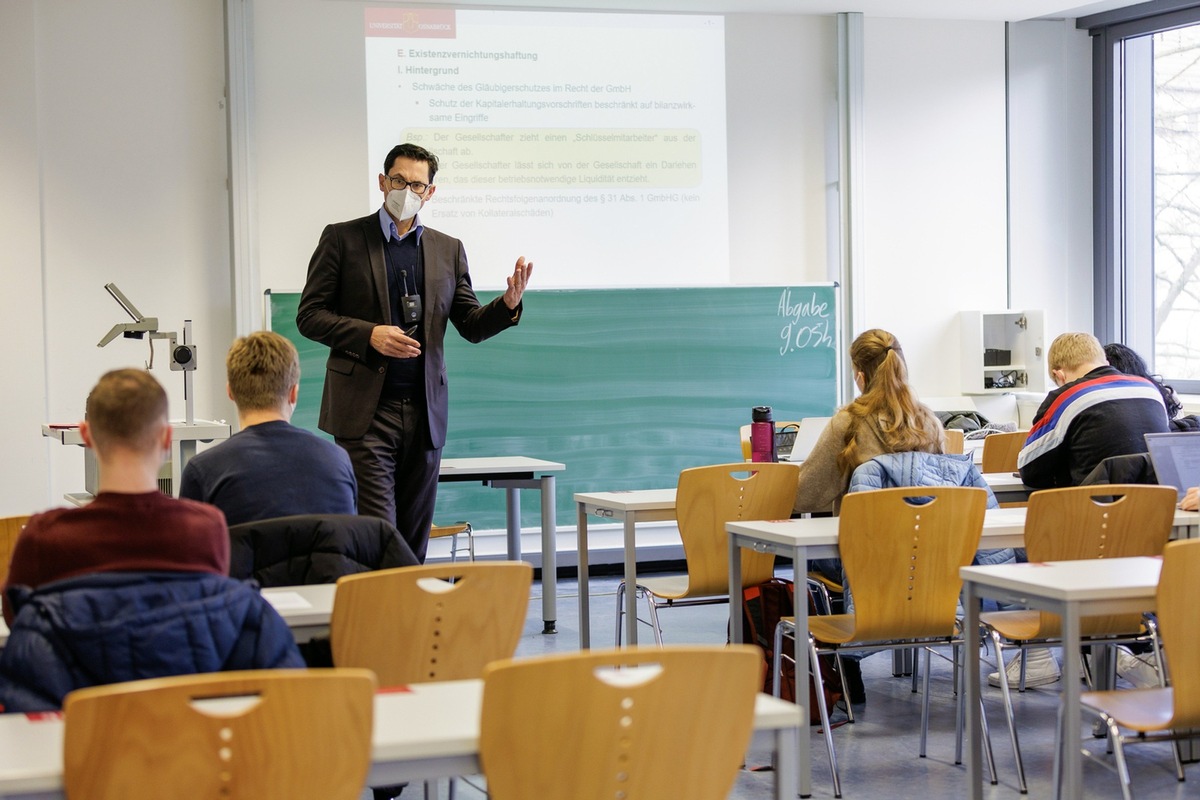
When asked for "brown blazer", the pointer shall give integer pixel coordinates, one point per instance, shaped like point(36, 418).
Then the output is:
point(346, 296)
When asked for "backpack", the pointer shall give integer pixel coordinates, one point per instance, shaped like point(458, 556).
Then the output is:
point(763, 606)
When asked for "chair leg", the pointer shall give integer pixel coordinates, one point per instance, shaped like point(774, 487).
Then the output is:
point(777, 656)
point(654, 618)
point(453, 791)
point(960, 707)
point(837, 657)
point(1119, 755)
point(1006, 693)
point(454, 548)
point(814, 667)
point(924, 701)
point(620, 611)
point(987, 744)
point(916, 669)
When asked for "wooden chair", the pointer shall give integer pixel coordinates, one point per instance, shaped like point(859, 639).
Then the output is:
point(904, 547)
point(411, 625)
point(261, 735)
point(1072, 524)
point(954, 441)
point(454, 531)
point(634, 723)
point(1000, 451)
point(744, 433)
point(708, 498)
point(1158, 714)
point(10, 527)
point(443, 622)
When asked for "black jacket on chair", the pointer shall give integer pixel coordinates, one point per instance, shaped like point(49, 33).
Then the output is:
point(1133, 468)
point(314, 548)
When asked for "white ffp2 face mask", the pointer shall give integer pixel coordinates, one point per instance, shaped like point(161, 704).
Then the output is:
point(403, 203)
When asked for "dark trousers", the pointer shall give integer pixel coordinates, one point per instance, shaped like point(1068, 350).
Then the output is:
point(397, 470)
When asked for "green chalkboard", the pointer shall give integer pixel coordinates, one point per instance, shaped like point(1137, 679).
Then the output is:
point(624, 386)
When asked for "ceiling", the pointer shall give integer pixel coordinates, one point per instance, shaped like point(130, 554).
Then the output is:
point(996, 10)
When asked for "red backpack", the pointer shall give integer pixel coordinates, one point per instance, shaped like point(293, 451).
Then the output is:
point(763, 606)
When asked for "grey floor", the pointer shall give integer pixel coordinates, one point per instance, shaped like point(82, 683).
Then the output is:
point(878, 754)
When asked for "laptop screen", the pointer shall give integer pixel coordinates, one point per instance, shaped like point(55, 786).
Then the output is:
point(806, 437)
point(1176, 458)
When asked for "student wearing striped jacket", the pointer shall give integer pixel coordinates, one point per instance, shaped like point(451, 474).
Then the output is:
point(1095, 412)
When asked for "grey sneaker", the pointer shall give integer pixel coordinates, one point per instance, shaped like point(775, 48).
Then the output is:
point(1040, 670)
point(1139, 669)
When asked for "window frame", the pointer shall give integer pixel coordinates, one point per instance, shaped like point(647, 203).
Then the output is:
point(1123, 238)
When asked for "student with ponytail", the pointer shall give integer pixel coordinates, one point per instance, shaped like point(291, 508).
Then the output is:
point(885, 418)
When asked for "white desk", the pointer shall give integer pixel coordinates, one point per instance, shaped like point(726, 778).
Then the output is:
point(1071, 589)
point(513, 473)
point(646, 505)
point(805, 539)
point(426, 733)
point(1007, 486)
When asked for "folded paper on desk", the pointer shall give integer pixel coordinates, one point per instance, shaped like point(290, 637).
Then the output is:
point(286, 601)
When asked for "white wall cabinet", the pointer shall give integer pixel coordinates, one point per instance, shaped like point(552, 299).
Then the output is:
point(1003, 351)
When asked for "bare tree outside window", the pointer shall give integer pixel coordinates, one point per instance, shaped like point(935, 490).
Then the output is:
point(1177, 203)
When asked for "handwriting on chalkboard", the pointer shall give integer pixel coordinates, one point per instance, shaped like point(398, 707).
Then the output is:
point(808, 322)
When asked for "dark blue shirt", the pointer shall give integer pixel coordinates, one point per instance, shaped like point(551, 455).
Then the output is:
point(272, 469)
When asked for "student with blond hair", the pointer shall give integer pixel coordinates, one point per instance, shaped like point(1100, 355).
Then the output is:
point(269, 468)
point(1096, 412)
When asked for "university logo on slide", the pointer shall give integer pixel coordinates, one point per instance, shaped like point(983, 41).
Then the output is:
point(410, 23)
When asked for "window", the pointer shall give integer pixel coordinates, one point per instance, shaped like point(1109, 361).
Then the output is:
point(1147, 96)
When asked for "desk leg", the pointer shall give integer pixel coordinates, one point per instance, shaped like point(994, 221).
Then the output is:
point(512, 521)
point(631, 617)
point(971, 693)
point(786, 747)
point(1070, 733)
point(549, 556)
point(736, 634)
point(804, 748)
point(581, 548)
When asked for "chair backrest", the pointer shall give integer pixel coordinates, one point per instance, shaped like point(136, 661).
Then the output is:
point(261, 735)
point(411, 625)
point(1000, 451)
point(648, 723)
point(1178, 599)
point(901, 550)
point(708, 498)
point(1109, 521)
point(744, 434)
point(314, 548)
point(10, 527)
point(954, 441)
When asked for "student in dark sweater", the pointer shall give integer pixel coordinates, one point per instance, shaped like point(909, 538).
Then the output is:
point(1096, 412)
point(270, 468)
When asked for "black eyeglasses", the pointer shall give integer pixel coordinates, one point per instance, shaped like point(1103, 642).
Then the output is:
point(398, 183)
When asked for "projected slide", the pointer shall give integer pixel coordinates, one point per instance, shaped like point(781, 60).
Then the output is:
point(593, 144)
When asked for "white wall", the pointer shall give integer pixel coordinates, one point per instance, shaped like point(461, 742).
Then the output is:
point(114, 130)
point(25, 460)
point(1050, 172)
point(934, 185)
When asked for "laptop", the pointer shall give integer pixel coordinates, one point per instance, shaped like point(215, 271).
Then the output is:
point(1176, 459)
point(806, 438)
